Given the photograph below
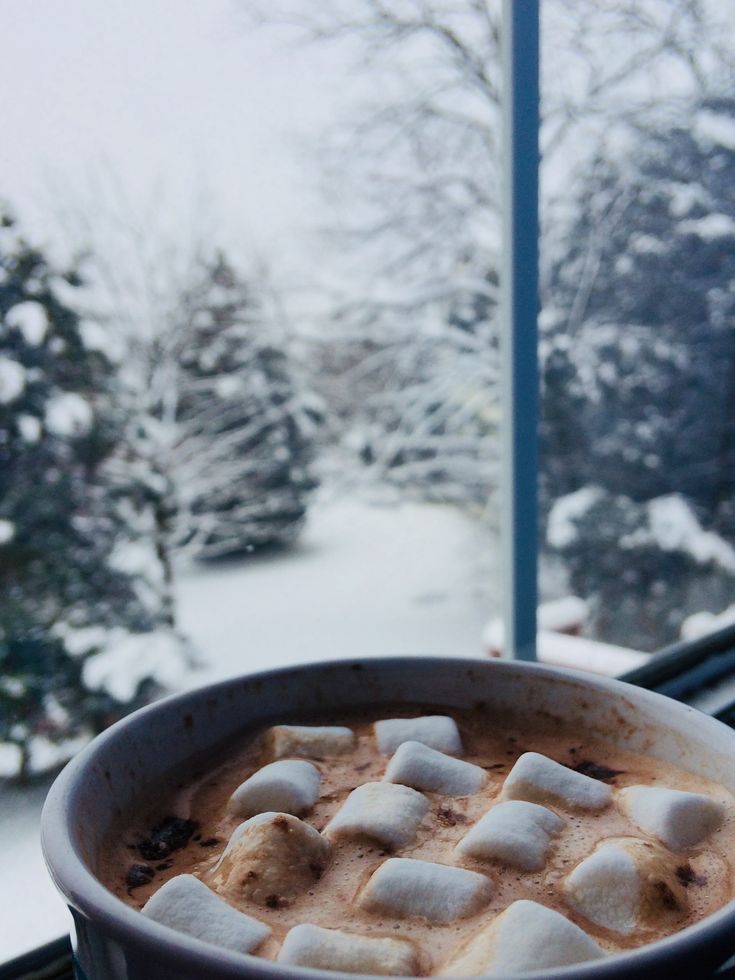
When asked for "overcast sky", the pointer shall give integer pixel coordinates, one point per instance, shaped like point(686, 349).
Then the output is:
point(169, 91)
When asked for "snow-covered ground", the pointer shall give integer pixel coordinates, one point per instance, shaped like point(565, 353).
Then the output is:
point(363, 581)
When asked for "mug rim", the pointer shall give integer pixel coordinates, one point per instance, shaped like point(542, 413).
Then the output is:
point(85, 892)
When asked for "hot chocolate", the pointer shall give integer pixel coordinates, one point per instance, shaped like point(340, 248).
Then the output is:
point(434, 837)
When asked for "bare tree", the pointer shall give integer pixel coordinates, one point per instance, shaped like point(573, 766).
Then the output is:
point(413, 175)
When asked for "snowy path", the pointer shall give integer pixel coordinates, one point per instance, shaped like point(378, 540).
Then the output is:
point(364, 581)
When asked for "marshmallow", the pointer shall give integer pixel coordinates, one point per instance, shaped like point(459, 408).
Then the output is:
point(386, 812)
point(408, 888)
point(516, 833)
point(536, 778)
point(290, 786)
point(270, 858)
point(437, 731)
point(679, 819)
point(329, 949)
point(186, 904)
point(525, 937)
point(416, 765)
point(624, 883)
point(312, 741)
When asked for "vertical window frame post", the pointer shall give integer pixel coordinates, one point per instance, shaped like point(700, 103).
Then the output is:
point(519, 328)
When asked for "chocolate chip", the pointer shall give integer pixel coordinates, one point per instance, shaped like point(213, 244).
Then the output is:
point(688, 876)
point(596, 770)
point(165, 866)
point(171, 834)
point(209, 842)
point(139, 874)
point(449, 817)
point(273, 902)
point(666, 896)
point(316, 869)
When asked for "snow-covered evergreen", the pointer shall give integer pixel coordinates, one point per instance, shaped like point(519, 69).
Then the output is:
point(643, 565)
point(639, 374)
point(220, 437)
point(640, 360)
point(243, 465)
point(65, 602)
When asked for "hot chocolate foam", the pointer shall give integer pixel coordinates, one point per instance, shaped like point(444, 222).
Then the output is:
point(327, 896)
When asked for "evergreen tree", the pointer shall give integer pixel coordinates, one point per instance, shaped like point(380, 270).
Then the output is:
point(641, 323)
point(643, 566)
point(639, 377)
point(242, 463)
point(68, 607)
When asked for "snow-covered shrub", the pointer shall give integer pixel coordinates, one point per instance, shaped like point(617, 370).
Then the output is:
point(642, 566)
point(60, 527)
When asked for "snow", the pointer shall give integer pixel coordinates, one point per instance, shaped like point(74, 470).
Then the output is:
point(229, 386)
point(701, 623)
point(647, 244)
point(68, 415)
point(7, 531)
point(46, 754)
point(12, 380)
point(581, 653)
point(674, 527)
point(576, 652)
point(128, 657)
point(94, 335)
point(30, 318)
point(32, 912)
point(29, 428)
point(558, 615)
point(683, 197)
point(710, 227)
point(363, 581)
point(561, 528)
point(714, 128)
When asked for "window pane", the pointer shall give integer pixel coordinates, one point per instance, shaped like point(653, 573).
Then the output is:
point(248, 362)
point(637, 346)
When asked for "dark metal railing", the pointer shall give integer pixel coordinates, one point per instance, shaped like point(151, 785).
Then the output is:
point(50, 962)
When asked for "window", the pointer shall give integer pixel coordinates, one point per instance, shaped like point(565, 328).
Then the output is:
point(229, 443)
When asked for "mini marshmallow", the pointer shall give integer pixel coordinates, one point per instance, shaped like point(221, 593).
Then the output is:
point(516, 833)
point(330, 949)
point(408, 888)
point(420, 767)
point(624, 883)
point(185, 904)
point(289, 786)
point(539, 779)
point(679, 819)
point(270, 858)
point(437, 731)
point(526, 936)
point(385, 812)
point(312, 741)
